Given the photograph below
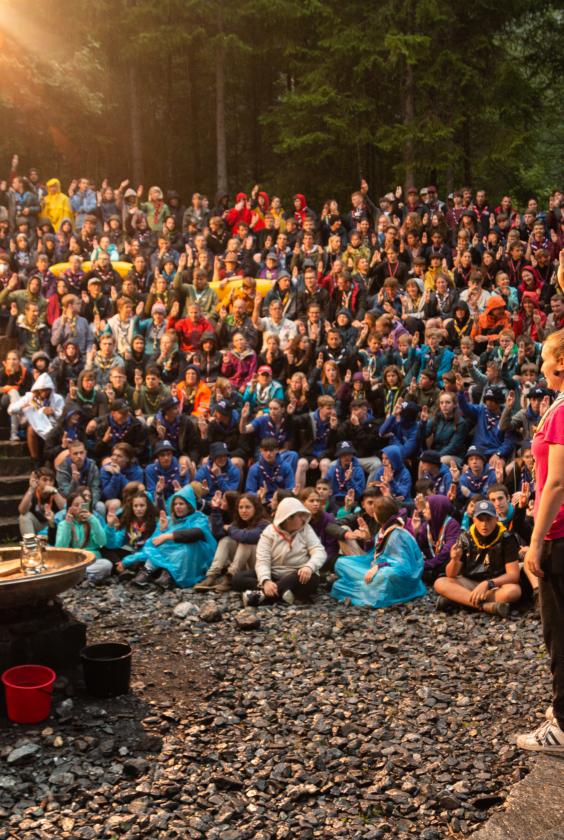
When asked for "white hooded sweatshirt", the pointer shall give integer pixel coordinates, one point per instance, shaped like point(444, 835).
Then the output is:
point(279, 553)
point(40, 422)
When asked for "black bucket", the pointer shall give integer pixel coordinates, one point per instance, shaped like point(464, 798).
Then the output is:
point(107, 668)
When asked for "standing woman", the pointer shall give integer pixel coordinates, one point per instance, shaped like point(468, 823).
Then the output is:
point(545, 557)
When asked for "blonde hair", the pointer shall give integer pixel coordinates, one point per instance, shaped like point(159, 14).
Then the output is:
point(555, 344)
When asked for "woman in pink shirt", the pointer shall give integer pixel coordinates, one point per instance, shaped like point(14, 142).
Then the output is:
point(545, 557)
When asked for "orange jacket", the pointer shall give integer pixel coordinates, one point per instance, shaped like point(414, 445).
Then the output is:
point(490, 322)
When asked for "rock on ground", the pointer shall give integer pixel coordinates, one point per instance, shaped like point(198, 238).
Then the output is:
point(331, 721)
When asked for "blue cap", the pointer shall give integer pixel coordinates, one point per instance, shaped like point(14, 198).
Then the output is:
point(484, 508)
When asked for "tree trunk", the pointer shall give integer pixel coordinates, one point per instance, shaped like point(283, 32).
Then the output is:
point(136, 136)
point(408, 117)
point(220, 109)
point(467, 151)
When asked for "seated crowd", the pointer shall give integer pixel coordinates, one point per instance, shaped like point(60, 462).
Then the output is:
point(240, 397)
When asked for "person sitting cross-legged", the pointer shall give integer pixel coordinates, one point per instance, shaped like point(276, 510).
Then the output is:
point(483, 572)
point(288, 559)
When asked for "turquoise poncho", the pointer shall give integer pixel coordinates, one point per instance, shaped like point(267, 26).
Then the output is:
point(398, 578)
point(187, 563)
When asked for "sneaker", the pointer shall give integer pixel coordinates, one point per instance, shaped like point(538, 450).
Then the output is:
point(126, 575)
point(164, 580)
point(142, 578)
point(548, 738)
point(14, 436)
point(443, 604)
point(223, 584)
point(208, 582)
point(288, 597)
point(253, 597)
point(549, 715)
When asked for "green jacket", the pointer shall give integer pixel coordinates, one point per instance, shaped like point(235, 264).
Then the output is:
point(72, 535)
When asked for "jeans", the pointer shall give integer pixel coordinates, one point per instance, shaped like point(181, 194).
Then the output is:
point(231, 557)
point(248, 580)
point(551, 589)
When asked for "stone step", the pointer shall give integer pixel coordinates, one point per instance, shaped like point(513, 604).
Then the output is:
point(18, 465)
point(9, 448)
point(9, 530)
point(534, 809)
point(9, 505)
point(14, 485)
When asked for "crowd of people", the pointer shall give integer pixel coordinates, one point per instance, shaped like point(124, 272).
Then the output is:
point(232, 395)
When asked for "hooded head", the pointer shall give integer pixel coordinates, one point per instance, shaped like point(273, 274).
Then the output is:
point(241, 196)
point(302, 199)
point(186, 494)
point(266, 200)
point(43, 383)
point(533, 297)
point(288, 508)
point(207, 335)
point(54, 182)
point(393, 453)
point(462, 305)
point(440, 507)
point(495, 302)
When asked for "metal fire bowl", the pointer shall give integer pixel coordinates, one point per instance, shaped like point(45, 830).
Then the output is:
point(58, 576)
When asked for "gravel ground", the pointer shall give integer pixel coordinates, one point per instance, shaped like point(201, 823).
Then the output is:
point(325, 721)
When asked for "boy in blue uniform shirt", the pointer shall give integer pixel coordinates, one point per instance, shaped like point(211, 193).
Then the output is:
point(345, 474)
point(270, 472)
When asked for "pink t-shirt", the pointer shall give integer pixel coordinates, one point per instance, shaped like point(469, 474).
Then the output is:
point(551, 432)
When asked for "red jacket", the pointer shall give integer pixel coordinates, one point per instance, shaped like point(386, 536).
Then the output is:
point(189, 332)
point(234, 216)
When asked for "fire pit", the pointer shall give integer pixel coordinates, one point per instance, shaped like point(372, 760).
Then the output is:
point(65, 567)
point(34, 625)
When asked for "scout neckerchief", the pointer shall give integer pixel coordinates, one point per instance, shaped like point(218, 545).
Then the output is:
point(436, 545)
point(476, 537)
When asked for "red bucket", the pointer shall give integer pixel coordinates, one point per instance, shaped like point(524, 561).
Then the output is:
point(28, 692)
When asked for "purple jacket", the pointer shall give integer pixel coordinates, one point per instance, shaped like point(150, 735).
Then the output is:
point(239, 368)
point(441, 512)
point(319, 525)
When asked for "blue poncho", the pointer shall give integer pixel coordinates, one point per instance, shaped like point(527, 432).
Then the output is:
point(398, 578)
point(187, 563)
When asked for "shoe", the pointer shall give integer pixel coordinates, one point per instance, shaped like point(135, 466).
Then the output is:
point(164, 580)
point(500, 608)
point(288, 597)
point(253, 598)
point(126, 575)
point(208, 582)
point(443, 604)
point(548, 738)
point(142, 579)
point(14, 437)
point(549, 715)
point(223, 584)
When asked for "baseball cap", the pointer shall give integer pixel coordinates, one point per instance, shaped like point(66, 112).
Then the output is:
point(495, 394)
point(265, 369)
point(473, 450)
point(345, 448)
point(484, 508)
point(537, 391)
point(119, 405)
point(223, 407)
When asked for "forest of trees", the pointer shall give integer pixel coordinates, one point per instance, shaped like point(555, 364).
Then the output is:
point(294, 94)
